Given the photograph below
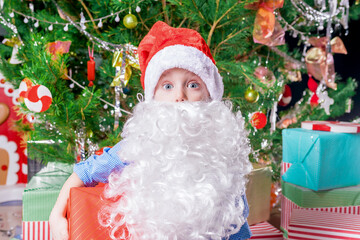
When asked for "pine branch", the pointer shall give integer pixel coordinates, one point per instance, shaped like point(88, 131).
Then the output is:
point(213, 26)
point(230, 36)
point(90, 16)
point(200, 14)
point(143, 23)
point(166, 17)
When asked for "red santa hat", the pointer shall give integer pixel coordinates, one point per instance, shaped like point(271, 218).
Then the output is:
point(165, 47)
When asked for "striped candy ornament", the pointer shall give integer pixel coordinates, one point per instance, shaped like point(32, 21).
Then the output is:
point(332, 126)
point(38, 98)
point(36, 230)
point(287, 207)
point(264, 230)
point(304, 224)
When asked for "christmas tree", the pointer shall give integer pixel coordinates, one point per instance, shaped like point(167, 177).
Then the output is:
point(78, 72)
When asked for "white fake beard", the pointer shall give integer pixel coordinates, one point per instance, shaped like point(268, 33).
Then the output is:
point(187, 171)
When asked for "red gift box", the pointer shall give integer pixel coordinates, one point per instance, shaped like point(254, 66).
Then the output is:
point(85, 203)
point(83, 207)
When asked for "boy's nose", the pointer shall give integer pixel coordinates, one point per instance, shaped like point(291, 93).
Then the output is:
point(180, 96)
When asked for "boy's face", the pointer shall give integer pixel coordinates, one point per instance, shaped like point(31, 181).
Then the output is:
point(177, 85)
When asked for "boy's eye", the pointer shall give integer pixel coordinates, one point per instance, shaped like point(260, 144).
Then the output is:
point(168, 86)
point(193, 85)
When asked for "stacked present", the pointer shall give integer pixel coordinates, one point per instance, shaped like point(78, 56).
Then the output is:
point(258, 193)
point(39, 197)
point(321, 181)
point(83, 224)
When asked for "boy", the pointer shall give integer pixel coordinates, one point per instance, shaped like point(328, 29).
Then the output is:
point(176, 66)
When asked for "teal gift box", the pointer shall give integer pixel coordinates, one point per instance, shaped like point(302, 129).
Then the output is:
point(321, 160)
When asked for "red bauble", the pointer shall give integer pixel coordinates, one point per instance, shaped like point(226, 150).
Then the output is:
point(258, 120)
point(286, 98)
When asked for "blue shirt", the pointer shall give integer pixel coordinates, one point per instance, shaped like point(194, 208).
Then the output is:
point(98, 168)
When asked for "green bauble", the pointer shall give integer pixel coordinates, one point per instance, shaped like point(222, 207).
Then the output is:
point(251, 95)
point(130, 21)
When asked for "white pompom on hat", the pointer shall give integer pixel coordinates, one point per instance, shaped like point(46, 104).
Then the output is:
point(165, 47)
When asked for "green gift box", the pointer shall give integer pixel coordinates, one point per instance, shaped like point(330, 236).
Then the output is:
point(307, 198)
point(43, 189)
point(340, 200)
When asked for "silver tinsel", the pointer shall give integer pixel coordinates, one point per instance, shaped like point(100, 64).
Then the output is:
point(335, 12)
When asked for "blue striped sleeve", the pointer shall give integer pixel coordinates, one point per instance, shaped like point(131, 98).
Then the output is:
point(98, 168)
point(244, 232)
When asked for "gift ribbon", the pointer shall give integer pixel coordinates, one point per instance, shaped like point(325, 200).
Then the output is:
point(124, 60)
point(119, 62)
point(58, 47)
point(320, 62)
point(267, 30)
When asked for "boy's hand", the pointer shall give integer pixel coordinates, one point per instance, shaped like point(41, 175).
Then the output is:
point(58, 223)
point(59, 227)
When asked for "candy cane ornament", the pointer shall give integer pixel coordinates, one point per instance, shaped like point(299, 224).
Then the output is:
point(38, 98)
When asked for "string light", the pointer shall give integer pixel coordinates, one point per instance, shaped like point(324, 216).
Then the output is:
point(117, 19)
point(82, 21)
point(100, 43)
point(320, 17)
point(100, 24)
point(288, 58)
point(7, 24)
point(104, 101)
point(288, 26)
